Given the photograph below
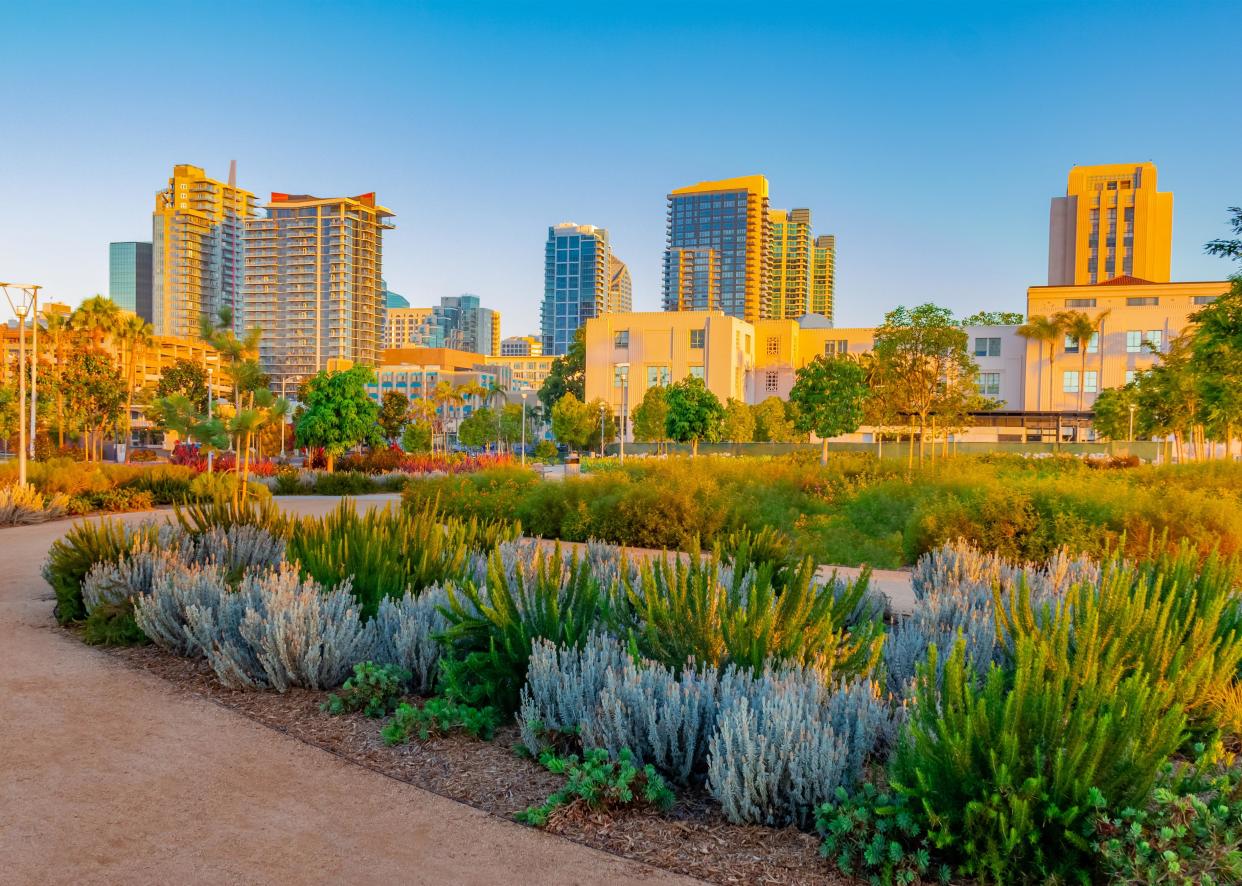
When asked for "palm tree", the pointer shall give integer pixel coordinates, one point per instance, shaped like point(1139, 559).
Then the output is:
point(236, 352)
point(133, 335)
point(1044, 329)
point(1081, 328)
point(443, 396)
point(98, 317)
point(57, 327)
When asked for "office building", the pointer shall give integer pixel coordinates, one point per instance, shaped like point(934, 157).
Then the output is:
point(1112, 222)
point(717, 254)
point(413, 328)
point(394, 299)
point(522, 346)
point(197, 251)
point(129, 277)
point(577, 282)
point(525, 372)
point(824, 275)
point(314, 282)
point(620, 287)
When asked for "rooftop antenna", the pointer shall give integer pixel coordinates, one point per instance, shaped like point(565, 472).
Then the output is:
point(232, 173)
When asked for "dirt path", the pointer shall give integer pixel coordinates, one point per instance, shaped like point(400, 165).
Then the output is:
point(108, 775)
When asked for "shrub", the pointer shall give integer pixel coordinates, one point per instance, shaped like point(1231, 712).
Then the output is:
point(343, 483)
point(492, 627)
point(601, 783)
point(200, 517)
point(167, 484)
point(115, 500)
point(113, 624)
point(876, 834)
point(439, 716)
point(142, 456)
point(222, 486)
point(164, 614)
point(373, 689)
point(545, 450)
point(406, 628)
point(71, 557)
point(21, 505)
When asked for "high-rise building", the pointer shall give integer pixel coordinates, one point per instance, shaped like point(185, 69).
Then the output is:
point(577, 282)
point(1112, 222)
point(314, 284)
point(789, 266)
point(621, 287)
point(394, 299)
point(413, 328)
point(129, 277)
point(197, 255)
point(468, 326)
point(824, 275)
point(522, 346)
point(718, 252)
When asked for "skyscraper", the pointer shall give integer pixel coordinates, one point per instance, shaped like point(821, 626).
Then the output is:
point(620, 288)
point(522, 346)
point(197, 251)
point(789, 264)
point(314, 284)
point(1112, 222)
point(468, 326)
point(577, 282)
point(824, 275)
point(718, 251)
point(129, 277)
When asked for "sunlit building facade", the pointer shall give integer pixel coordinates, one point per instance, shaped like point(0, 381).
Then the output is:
point(824, 275)
point(789, 266)
point(577, 282)
point(129, 277)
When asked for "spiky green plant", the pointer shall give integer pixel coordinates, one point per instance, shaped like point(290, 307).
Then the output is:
point(204, 515)
point(72, 556)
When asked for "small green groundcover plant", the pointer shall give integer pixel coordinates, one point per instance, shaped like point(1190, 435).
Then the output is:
point(374, 689)
point(439, 716)
point(600, 782)
point(877, 835)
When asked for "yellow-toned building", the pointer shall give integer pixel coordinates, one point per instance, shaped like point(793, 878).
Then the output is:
point(526, 372)
point(1137, 320)
point(521, 346)
point(1112, 222)
point(717, 255)
point(405, 327)
point(197, 250)
point(824, 275)
point(789, 282)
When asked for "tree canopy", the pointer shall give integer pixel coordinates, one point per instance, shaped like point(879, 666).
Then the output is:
point(339, 414)
point(394, 414)
point(994, 318)
point(738, 425)
point(772, 422)
point(831, 395)
point(649, 417)
point(694, 413)
point(186, 377)
point(572, 421)
point(567, 374)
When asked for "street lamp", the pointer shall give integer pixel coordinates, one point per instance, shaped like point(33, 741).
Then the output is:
point(210, 373)
point(624, 368)
point(22, 304)
point(602, 409)
point(1132, 408)
point(524, 393)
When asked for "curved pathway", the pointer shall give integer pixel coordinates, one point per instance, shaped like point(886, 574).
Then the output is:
point(107, 774)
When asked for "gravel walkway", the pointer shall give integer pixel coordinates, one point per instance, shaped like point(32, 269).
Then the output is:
point(109, 775)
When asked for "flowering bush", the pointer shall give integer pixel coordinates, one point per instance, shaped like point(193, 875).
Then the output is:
point(393, 458)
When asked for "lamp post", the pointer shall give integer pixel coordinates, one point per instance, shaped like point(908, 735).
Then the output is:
point(1132, 408)
point(625, 405)
point(602, 409)
point(34, 366)
point(524, 393)
point(210, 373)
point(21, 308)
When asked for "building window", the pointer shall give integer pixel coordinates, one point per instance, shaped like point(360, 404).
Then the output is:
point(621, 339)
point(620, 375)
point(1071, 345)
point(989, 384)
point(697, 338)
point(1131, 375)
point(1093, 343)
point(657, 376)
point(1153, 339)
point(696, 372)
point(1142, 301)
point(1204, 299)
point(774, 346)
point(1080, 303)
point(839, 347)
point(1090, 381)
point(1069, 381)
point(769, 382)
point(987, 347)
point(1134, 341)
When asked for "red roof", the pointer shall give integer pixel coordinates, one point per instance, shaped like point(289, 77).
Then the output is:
point(1125, 280)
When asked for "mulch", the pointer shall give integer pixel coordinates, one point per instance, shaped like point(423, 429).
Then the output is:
point(692, 839)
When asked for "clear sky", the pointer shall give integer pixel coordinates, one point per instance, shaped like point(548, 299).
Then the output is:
point(928, 137)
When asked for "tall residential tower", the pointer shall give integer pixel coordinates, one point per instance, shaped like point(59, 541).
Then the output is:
point(197, 252)
point(1112, 222)
point(824, 275)
point(577, 282)
point(314, 282)
point(718, 251)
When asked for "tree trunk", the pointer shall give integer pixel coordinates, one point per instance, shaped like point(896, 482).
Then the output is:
point(823, 453)
point(331, 461)
point(694, 447)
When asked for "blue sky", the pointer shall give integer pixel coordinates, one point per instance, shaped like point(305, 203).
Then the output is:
point(927, 137)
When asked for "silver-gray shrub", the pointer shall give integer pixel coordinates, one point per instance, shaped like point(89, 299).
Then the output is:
point(163, 615)
point(521, 552)
point(114, 581)
point(236, 548)
point(784, 743)
point(405, 631)
point(563, 686)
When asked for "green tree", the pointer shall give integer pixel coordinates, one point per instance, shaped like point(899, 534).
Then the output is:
point(1112, 412)
point(510, 423)
point(1217, 346)
point(134, 335)
point(922, 356)
point(572, 422)
point(567, 374)
point(394, 413)
point(649, 417)
point(239, 354)
point(694, 413)
point(994, 318)
point(417, 437)
point(772, 424)
point(185, 377)
point(738, 425)
point(602, 420)
point(480, 428)
point(1231, 248)
point(94, 396)
point(339, 413)
point(831, 395)
point(8, 412)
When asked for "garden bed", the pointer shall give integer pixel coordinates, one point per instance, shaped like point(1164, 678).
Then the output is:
point(693, 839)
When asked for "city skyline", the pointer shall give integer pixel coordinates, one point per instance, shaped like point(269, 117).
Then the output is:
point(933, 169)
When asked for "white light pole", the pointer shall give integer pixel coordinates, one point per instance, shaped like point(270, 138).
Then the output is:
point(524, 393)
point(625, 404)
point(210, 373)
point(1132, 408)
point(21, 308)
point(34, 366)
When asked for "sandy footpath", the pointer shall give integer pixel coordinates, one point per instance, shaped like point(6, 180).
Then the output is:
point(108, 775)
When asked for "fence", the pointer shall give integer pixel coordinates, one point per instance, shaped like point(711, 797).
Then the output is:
point(1145, 449)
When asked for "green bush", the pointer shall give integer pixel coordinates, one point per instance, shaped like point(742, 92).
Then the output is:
point(344, 483)
point(113, 624)
point(373, 689)
point(491, 629)
point(198, 517)
point(601, 783)
point(545, 450)
point(167, 484)
point(72, 556)
point(877, 835)
point(439, 716)
point(386, 551)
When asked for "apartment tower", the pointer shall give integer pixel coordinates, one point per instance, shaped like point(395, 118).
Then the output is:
point(823, 275)
point(789, 265)
point(718, 252)
point(577, 282)
point(129, 277)
point(620, 287)
point(314, 282)
point(197, 256)
point(1112, 222)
